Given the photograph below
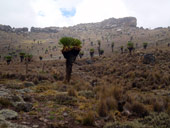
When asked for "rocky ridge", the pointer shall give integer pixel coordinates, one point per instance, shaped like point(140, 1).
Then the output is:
point(106, 24)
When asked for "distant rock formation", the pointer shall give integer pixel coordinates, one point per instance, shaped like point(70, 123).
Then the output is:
point(20, 29)
point(8, 28)
point(47, 29)
point(121, 22)
point(5, 28)
point(106, 24)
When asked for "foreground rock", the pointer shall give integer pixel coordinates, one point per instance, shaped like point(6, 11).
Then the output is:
point(8, 114)
point(149, 59)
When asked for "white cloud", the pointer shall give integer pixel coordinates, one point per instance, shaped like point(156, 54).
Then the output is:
point(98, 10)
point(43, 13)
point(149, 13)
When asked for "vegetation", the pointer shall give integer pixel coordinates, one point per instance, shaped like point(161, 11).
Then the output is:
point(145, 44)
point(40, 57)
point(101, 52)
point(28, 57)
point(22, 55)
point(130, 47)
point(81, 54)
point(91, 43)
point(89, 119)
point(121, 48)
point(71, 48)
point(8, 59)
point(112, 46)
point(91, 52)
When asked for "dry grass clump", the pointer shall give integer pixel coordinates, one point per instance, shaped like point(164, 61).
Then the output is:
point(158, 106)
point(5, 103)
point(111, 103)
point(110, 99)
point(41, 88)
point(168, 109)
point(102, 108)
point(139, 109)
point(72, 92)
point(89, 119)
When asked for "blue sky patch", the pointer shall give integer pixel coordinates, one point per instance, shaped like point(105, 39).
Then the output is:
point(41, 13)
point(68, 13)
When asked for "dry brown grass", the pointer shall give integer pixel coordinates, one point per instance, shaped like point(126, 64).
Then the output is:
point(139, 109)
point(89, 119)
point(72, 92)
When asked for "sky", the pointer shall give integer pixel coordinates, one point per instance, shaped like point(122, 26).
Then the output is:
point(63, 13)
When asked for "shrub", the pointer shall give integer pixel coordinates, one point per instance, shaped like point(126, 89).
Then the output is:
point(81, 54)
point(28, 57)
point(101, 52)
point(130, 46)
point(121, 48)
point(40, 57)
point(91, 52)
point(112, 46)
point(145, 44)
point(22, 55)
point(8, 59)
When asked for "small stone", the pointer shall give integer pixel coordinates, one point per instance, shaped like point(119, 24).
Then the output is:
point(26, 123)
point(148, 59)
point(65, 114)
point(35, 126)
point(28, 84)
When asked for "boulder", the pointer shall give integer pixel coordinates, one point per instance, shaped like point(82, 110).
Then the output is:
point(8, 114)
point(23, 106)
point(149, 59)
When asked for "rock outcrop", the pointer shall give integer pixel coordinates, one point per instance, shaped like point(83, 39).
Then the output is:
point(5, 28)
point(24, 29)
point(47, 29)
point(106, 24)
point(121, 22)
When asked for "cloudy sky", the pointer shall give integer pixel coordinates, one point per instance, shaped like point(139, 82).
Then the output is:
point(45, 13)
